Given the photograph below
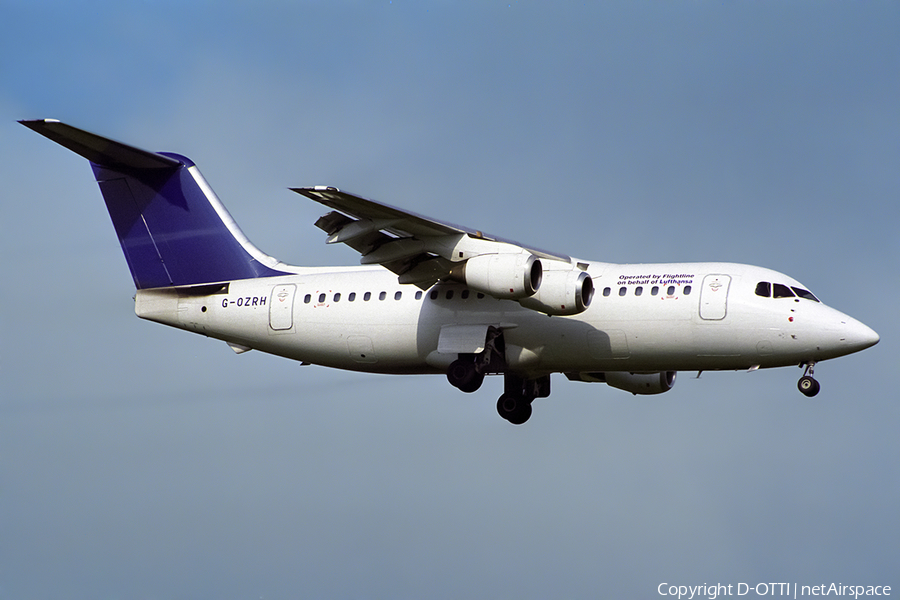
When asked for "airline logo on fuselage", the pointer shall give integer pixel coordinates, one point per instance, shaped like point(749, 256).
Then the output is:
point(654, 279)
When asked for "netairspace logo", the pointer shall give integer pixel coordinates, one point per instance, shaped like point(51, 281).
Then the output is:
point(793, 590)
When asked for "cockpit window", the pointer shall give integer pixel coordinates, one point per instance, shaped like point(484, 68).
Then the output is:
point(764, 289)
point(804, 294)
point(782, 291)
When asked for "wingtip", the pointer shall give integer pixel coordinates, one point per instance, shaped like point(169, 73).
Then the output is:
point(28, 122)
point(315, 188)
point(39, 125)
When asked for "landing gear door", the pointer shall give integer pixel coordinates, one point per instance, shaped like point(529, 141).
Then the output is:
point(462, 339)
point(714, 297)
point(281, 307)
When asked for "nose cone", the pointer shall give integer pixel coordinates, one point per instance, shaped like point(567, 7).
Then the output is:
point(856, 336)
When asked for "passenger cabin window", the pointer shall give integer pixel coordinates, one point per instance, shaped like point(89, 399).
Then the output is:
point(433, 295)
point(638, 291)
point(606, 291)
point(351, 297)
point(398, 295)
point(419, 295)
point(623, 291)
point(306, 299)
point(465, 294)
point(654, 290)
point(321, 298)
point(382, 295)
point(670, 291)
point(337, 297)
point(367, 296)
point(687, 290)
point(764, 289)
point(782, 291)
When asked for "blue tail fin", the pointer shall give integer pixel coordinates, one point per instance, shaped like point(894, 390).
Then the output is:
point(173, 229)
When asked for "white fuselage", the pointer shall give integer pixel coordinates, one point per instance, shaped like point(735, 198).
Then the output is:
point(688, 316)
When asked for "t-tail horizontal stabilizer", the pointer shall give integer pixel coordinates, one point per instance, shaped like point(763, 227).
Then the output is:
point(173, 229)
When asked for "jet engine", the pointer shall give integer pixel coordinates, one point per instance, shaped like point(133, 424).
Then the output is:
point(641, 383)
point(504, 276)
point(566, 292)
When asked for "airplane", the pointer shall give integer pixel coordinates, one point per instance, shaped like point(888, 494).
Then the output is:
point(431, 297)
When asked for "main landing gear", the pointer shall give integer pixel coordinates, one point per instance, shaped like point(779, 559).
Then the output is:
point(518, 394)
point(467, 374)
point(463, 374)
point(807, 385)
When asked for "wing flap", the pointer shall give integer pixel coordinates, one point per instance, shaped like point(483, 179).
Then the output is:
point(398, 249)
point(424, 273)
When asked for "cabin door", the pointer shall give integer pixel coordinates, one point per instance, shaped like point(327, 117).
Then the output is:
point(281, 307)
point(714, 297)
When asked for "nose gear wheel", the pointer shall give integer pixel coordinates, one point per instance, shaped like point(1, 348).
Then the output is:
point(807, 385)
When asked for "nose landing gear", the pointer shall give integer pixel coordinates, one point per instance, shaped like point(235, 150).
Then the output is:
point(808, 386)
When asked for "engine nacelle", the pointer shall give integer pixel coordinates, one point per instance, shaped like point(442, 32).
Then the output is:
point(562, 293)
point(641, 383)
point(505, 276)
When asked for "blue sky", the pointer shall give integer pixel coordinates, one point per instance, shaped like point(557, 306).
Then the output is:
point(142, 462)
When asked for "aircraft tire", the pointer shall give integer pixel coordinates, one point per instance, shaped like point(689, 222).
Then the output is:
point(808, 386)
point(522, 414)
point(514, 409)
point(462, 375)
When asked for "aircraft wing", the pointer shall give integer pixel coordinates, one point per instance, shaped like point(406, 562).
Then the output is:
point(420, 250)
